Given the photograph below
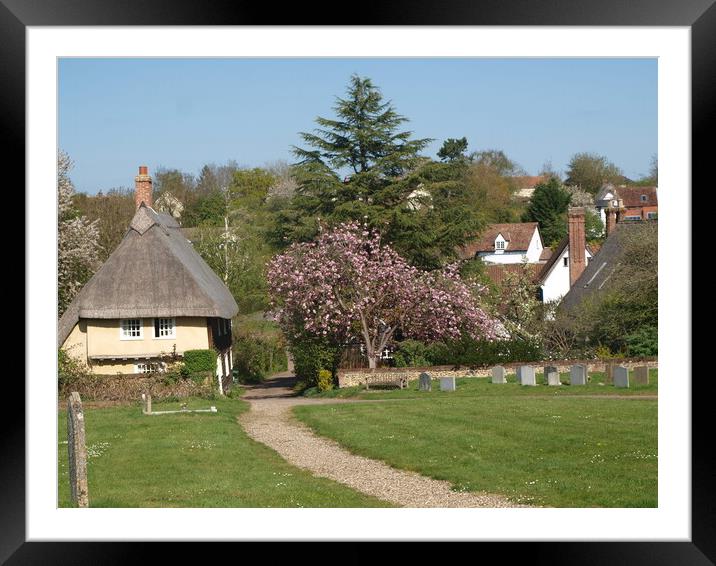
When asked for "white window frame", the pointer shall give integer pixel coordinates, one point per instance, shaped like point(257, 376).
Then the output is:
point(644, 198)
point(500, 245)
point(141, 367)
point(123, 327)
point(171, 336)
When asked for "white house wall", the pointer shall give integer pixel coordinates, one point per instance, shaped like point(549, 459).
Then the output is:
point(556, 284)
point(534, 251)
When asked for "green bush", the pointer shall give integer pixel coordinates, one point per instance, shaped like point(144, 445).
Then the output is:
point(257, 355)
point(410, 353)
point(469, 352)
point(311, 356)
point(325, 380)
point(196, 361)
point(643, 342)
point(70, 370)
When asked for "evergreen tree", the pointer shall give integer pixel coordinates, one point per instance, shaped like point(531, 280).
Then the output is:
point(548, 206)
point(453, 149)
point(363, 166)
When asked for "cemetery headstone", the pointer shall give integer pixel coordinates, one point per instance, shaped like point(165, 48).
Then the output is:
point(578, 375)
point(526, 375)
point(641, 375)
point(426, 382)
point(147, 403)
point(621, 376)
point(498, 375)
point(551, 375)
point(447, 383)
point(77, 451)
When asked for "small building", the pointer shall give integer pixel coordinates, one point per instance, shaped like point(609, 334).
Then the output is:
point(568, 260)
point(634, 202)
point(506, 243)
point(154, 296)
point(526, 185)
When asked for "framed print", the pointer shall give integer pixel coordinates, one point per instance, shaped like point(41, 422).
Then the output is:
point(43, 40)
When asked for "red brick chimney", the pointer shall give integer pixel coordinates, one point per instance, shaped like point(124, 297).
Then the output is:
point(577, 244)
point(614, 214)
point(143, 188)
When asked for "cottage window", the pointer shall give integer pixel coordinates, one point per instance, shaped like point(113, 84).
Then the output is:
point(643, 198)
point(651, 215)
point(148, 367)
point(566, 261)
point(164, 328)
point(130, 329)
point(499, 244)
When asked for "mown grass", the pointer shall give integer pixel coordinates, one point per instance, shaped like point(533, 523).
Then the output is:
point(190, 460)
point(546, 446)
point(482, 386)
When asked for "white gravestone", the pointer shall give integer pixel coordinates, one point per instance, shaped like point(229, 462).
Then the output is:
point(621, 376)
point(551, 376)
point(526, 375)
point(447, 383)
point(578, 375)
point(498, 375)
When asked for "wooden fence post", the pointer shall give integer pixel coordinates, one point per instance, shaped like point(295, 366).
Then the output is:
point(77, 451)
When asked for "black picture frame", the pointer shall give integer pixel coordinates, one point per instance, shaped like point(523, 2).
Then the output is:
point(699, 15)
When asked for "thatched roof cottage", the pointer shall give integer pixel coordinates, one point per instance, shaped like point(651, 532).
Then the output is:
point(153, 296)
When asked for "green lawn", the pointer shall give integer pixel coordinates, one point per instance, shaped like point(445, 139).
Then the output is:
point(548, 446)
point(482, 386)
point(190, 460)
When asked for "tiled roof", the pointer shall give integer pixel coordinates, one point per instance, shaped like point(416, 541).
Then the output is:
point(529, 182)
point(517, 235)
point(631, 196)
point(545, 255)
point(498, 272)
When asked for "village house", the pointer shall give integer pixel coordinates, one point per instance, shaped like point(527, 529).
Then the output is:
point(506, 247)
point(633, 202)
point(506, 243)
point(154, 296)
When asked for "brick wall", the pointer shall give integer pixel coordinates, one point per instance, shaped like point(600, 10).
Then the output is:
point(349, 378)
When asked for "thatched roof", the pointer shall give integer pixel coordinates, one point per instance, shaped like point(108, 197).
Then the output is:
point(154, 272)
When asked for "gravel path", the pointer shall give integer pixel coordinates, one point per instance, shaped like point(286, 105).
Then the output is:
point(270, 422)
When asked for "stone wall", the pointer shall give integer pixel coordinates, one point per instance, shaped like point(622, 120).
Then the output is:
point(352, 377)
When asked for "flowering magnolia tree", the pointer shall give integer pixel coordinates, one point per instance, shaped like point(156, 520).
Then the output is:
point(348, 285)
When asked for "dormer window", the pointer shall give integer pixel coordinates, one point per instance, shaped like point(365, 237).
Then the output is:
point(499, 244)
point(643, 198)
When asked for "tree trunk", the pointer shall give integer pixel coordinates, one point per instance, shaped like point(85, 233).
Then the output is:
point(372, 362)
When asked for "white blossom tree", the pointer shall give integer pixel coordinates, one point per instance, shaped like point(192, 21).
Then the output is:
point(78, 248)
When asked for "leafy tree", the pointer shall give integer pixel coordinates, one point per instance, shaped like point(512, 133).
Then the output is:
point(593, 226)
point(453, 149)
point(362, 166)
point(590, 171)
point(206, 211)
point(498, 161)
point(78, 248)
point(350, 285)
point(492, 192)
point(548, 206)
point(113, 212)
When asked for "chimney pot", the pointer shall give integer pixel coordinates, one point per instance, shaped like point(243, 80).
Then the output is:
point(143, 188)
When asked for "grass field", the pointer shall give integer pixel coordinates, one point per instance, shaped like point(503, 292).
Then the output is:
point(481, 386)
point(548, 446)
point(190, 460)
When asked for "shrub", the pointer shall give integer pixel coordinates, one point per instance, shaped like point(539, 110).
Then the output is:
point(325, 380)
point(643, 342)
point(257, 355)
point(410, 353)
point(469, 352)
point(310, 356)
point(70, 370)
point(196, 361)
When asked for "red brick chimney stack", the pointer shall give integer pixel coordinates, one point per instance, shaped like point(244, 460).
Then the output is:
point(577, 244)
point(614, 213)
point(143, 188)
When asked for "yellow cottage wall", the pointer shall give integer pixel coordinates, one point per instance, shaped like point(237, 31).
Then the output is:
point(98, 337)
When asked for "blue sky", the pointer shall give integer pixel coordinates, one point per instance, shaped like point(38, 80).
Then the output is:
point(117, 114)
